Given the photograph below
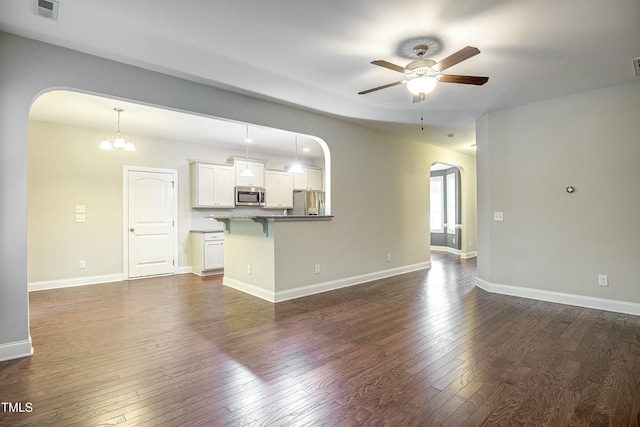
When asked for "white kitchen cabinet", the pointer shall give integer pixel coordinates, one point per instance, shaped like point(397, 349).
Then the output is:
point(314, 179)
point(207, 251)
point(249, 181)
point(212, 185)
point(309, 179)
point(279, 189)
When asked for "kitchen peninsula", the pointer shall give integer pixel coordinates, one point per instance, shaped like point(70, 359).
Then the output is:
point(266, 255)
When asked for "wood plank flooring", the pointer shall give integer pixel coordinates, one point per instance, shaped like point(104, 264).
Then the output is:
point(422, 349)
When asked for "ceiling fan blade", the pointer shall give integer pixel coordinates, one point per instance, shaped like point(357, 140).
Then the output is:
point(459, 56)
point(364, 92)
point(389, 65)
point(467, 80)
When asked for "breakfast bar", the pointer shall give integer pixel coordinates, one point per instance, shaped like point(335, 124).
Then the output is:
point(264, 219)
point(274, 256)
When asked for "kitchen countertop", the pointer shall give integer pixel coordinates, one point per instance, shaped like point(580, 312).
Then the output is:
point(274, 217)
point(263, 219)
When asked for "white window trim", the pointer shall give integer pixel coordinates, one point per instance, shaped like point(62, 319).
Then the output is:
point(441, 179)
point(452, 197)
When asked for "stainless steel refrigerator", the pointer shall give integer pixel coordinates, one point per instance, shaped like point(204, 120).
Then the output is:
point(307, 203)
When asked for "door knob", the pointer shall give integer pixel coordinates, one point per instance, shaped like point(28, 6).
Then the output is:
point(132, 229)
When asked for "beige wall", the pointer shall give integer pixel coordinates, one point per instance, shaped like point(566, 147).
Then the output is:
point(551, 240)
point(66, 169)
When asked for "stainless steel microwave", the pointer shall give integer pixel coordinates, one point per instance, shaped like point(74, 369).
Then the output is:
point(249, 196)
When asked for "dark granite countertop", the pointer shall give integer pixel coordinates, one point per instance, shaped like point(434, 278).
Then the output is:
point(264, 219)
point(273, 217)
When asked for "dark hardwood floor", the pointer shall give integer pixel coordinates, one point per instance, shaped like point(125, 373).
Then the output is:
point(425, 348)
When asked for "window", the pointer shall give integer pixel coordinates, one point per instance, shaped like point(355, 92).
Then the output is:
point(437, 204)
point(451, 203)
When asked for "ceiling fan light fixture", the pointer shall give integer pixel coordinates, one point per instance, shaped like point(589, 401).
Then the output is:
point(422, 80)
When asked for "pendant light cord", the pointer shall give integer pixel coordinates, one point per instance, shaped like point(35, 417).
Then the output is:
point(247, 141)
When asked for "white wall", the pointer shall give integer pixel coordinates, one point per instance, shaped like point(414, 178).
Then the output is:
point(552, 241)
point(392, 217)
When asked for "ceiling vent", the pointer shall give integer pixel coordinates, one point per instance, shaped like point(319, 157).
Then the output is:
point(46, 8)
point(636, 66)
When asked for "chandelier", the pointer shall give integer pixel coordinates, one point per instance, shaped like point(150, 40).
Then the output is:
point(118, 143)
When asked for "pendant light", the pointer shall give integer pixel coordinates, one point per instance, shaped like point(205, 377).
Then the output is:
point(247, 172)
point(296, 168)
point(119, 143)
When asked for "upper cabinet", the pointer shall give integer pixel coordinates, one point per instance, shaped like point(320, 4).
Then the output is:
point(310, 179)
point(279, 189)
point(254, 166)
point(212, 185)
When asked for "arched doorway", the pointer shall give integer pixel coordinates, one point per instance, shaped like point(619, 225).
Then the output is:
point(449, 225)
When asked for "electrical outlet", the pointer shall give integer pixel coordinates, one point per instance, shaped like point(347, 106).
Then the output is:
point(249, 269)
point(498, 216)
point(388, 257)
point(603, 280)
point(317, 268)
point(81, 208)
point(82, 264)
point(81, 218)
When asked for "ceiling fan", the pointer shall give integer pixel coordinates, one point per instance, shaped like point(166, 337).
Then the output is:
point(422, 75)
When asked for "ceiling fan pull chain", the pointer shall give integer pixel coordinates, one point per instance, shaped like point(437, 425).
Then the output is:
point(422, 111)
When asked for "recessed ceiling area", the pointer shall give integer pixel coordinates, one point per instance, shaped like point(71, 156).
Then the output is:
point(96, 112)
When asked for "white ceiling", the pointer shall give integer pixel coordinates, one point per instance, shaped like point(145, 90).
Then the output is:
point(95, 112)
point(317, 54)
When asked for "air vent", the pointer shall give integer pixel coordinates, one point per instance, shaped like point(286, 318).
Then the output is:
point(46, 8)
point(636, 65)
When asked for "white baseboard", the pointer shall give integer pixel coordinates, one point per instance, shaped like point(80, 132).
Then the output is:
point(77, 281)
point(89, 280)
point(16, 350)
point(463, 255)
point(446, 249)
point(248, 288)
point(561, 298)
point(319, 287)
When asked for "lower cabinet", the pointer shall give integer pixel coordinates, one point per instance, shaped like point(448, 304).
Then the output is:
point(207, 250)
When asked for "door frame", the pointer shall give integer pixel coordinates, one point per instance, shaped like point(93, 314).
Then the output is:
point(125, 214)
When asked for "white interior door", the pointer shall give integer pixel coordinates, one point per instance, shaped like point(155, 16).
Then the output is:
point(151, 223)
